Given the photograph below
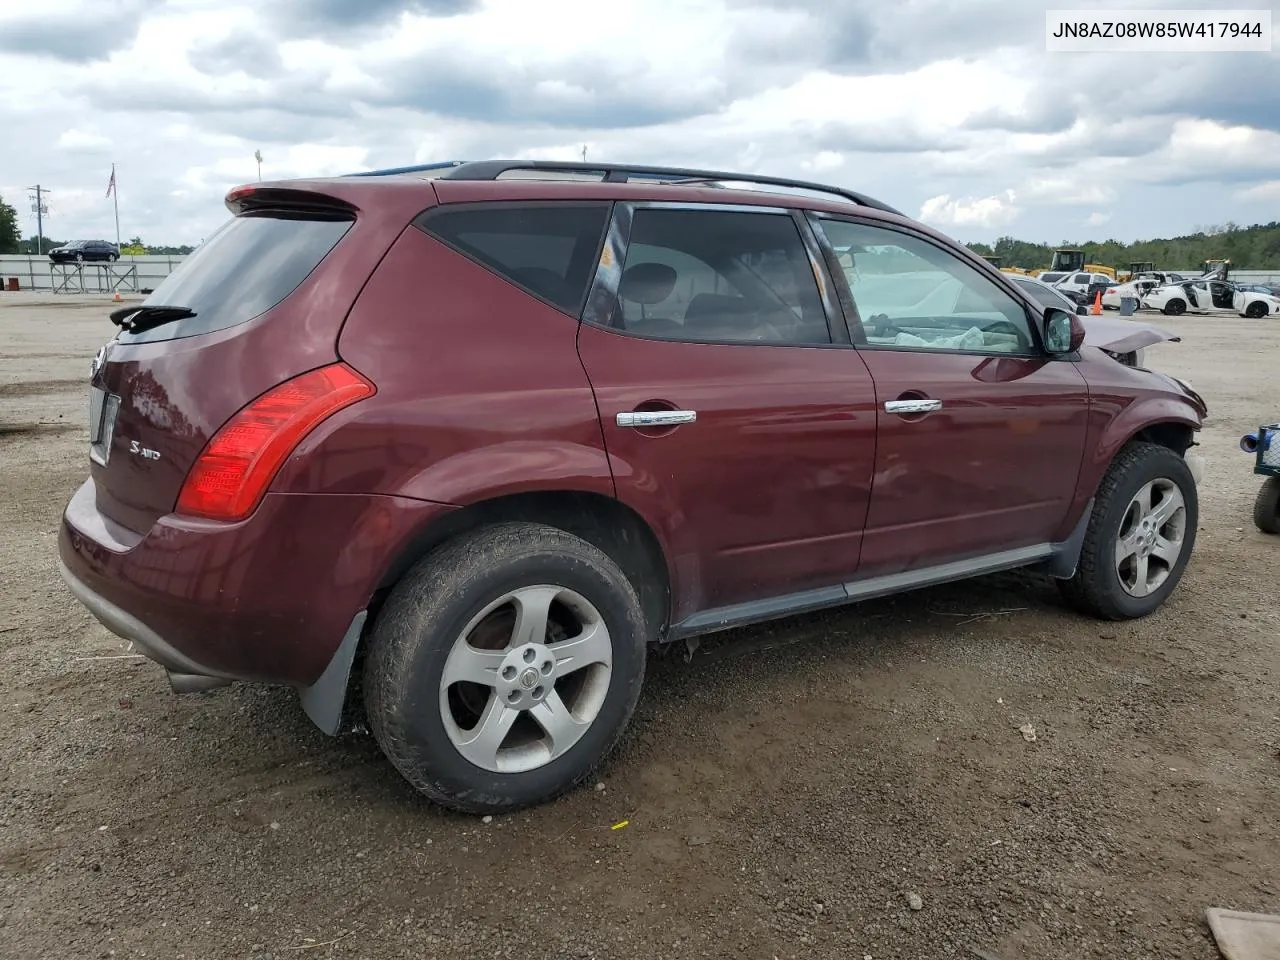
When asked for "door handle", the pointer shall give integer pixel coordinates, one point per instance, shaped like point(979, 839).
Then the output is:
point(656, 418)
point(912, 406)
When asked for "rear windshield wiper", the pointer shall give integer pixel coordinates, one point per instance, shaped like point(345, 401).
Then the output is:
point(135, 319)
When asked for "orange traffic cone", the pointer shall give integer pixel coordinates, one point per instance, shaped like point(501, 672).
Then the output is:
point(1097, 304)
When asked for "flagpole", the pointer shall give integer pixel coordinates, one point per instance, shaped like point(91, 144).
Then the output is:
point(115, 200)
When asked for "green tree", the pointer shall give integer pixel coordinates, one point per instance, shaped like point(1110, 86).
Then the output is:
point(9, 233)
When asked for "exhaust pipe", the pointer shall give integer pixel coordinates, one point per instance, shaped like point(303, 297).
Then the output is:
point(1249, 443)
point(194, 682)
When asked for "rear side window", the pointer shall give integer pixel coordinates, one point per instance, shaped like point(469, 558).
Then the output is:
point(721, 277)
point(550, 249)
point(247, 267)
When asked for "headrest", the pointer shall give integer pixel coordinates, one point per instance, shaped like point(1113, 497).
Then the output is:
point(647, 283)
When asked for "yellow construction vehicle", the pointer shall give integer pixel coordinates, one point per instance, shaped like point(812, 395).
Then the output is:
point(1135, 269)
point(1072, 261)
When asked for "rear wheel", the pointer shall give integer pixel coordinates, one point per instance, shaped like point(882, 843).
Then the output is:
point(1140, 535)
point(504, 667)
point(1175, 308)
point(1255, 310)
point(1266, 509)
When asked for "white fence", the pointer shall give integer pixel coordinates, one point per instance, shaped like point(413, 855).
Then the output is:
point(128, 274)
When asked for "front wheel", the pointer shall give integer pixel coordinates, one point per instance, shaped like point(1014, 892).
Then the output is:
point(504, 667)
point(1255, 310)
point(1175, 308)
point(1140, 535)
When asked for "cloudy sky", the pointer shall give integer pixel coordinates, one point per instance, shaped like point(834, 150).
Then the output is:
point(947, 109)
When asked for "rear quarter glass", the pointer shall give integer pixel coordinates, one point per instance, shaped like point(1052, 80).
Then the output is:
point(249, 265)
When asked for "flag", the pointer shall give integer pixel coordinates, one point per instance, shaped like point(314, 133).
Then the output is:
point(111, 184)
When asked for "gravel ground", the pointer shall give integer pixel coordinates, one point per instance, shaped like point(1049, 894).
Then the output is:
point(852, 784)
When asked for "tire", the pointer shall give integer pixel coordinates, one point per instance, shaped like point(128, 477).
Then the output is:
point(1255, 310)
point(1266, 509)
point(79, 258)
point(420, 630)
point(1175, 308)
point(112, 257)
point(1100, 586)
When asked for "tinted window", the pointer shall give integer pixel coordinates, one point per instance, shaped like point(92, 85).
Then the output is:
point(248, 266)
point(912, 294)
point(549, 250)
point(1052, 277)
point(715, 276)
point(1081, 278)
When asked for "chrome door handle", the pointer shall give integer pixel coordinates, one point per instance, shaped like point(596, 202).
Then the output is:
point(912, 406)
point(656, 418)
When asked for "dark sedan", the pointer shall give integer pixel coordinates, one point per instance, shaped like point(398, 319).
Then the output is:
point(85, 251)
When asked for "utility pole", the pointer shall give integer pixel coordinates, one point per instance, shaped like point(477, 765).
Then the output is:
point(38, 206)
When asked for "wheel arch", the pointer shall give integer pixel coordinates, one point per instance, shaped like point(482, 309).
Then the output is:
point(603, 521)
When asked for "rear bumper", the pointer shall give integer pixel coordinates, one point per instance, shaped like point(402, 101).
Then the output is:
point(268, 599)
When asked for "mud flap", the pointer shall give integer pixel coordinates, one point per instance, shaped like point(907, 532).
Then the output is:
point(325, 699)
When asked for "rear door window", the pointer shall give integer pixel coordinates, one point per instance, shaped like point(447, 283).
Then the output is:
point(248, 266)
point(721, 277)
point(548, 249)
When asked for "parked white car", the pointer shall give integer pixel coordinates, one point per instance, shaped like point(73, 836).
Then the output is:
point(1209, 297)
point(1078, 283)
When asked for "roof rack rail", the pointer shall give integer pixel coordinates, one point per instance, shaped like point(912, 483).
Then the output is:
point(622, 173)
point(417, 168)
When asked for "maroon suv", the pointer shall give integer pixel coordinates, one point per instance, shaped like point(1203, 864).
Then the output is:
point(460, 442)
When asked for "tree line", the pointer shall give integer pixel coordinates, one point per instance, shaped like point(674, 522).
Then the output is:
point(1248, 248)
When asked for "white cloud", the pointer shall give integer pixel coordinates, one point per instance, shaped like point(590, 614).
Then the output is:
point(1097, 219)
point(83, 140)
point(994, 211)
point(1268, 192)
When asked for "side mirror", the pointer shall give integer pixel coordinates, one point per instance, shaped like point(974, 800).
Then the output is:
point(1063, 332)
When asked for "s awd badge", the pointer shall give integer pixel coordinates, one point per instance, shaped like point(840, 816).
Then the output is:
point(145, 452)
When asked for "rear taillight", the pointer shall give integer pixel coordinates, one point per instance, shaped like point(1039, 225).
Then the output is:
point(237, 466)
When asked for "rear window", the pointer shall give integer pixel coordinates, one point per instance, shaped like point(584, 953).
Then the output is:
point(549, 249)
point(249, 265)
point(1052, 277)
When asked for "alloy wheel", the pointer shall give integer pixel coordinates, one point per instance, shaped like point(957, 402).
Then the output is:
point(526, 678)
point(1151, 538)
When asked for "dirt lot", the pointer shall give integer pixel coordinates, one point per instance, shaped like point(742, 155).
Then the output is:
point(786, 790)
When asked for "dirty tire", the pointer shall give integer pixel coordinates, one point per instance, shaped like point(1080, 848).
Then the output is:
point(1266, 509)
point(1095, 589)
point(427, 611)
point(1256, 310)
point(1175, 308)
